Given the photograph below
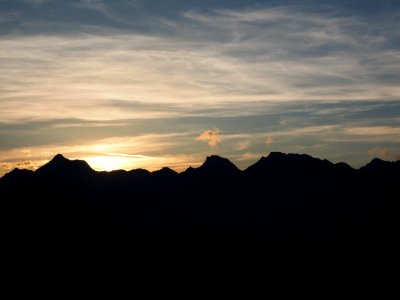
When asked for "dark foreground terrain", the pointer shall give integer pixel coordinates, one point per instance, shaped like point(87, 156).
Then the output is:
point(281, 197)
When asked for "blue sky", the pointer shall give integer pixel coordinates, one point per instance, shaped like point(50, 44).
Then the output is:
point(127, 84)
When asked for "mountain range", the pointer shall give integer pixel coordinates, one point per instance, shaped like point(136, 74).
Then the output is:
point(280, 197)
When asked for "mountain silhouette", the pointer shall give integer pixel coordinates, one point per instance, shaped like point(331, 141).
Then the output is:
point(280, 163)
point(280, 197)
point(215, 163)
point(17, 176)
point(379, 165)
point(61, 166)
point(214, 166)
point(165, 171)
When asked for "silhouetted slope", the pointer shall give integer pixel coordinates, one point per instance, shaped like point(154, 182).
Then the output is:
point(289, 165)
point(378, 166)
point(17, 175)
point(214, 166)
point(282, 196)
point(215, 163)
point(165, 172)
point(61, 167)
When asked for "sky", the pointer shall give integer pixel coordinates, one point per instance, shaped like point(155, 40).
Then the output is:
point(146, 84)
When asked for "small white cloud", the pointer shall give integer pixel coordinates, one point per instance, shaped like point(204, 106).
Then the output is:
point(211, 136)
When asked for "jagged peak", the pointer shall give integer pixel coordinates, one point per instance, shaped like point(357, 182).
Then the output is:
point(377, 160)
point(215, 158)
point(17, 171)
point(278, 156)
point(165, 169)
point(139, 171)
point(59, 157)
point(279, 161)
point(273, 155)
point(376, 163)
point(61, 164)
point(218, 162)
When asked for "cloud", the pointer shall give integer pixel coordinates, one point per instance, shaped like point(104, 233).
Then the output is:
point(24, 163)
point(238, 56)
point(210, 136)
point(8, 166)
point(374, 130)
point(281, 71)
point(379, 152)
point(269, 140)
point(150, 151)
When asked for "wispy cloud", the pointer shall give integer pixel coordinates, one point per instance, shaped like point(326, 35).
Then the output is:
point(109, 73)
point(280, 54)
point(151, 151)
point(375, 130)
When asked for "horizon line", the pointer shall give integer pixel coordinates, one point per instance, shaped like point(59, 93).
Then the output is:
point(207, 157)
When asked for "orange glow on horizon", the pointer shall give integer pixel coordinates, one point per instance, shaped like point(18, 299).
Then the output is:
point(109, 162)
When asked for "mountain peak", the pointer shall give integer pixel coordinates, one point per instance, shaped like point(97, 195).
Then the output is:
point(290, 157)
point(59, 157)
point(377, 161)
point(165, 171)
point(17, 174)
point(215, 163)
point(61, 165)
point(290, 163)
point(377, 164)
point(214, 158)
point(275, 155)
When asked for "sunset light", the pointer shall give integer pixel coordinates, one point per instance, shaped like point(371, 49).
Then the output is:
point(108, 163)
point(175, 81)
point(132, 124)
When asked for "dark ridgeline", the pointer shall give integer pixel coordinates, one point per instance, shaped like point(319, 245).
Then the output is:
point(281, 197)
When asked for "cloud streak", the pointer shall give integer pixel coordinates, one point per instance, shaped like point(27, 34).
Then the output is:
point(97, 78)
point(280, 54)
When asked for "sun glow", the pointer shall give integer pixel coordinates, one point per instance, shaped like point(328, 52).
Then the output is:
point(109, 163)
point(112, 161)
